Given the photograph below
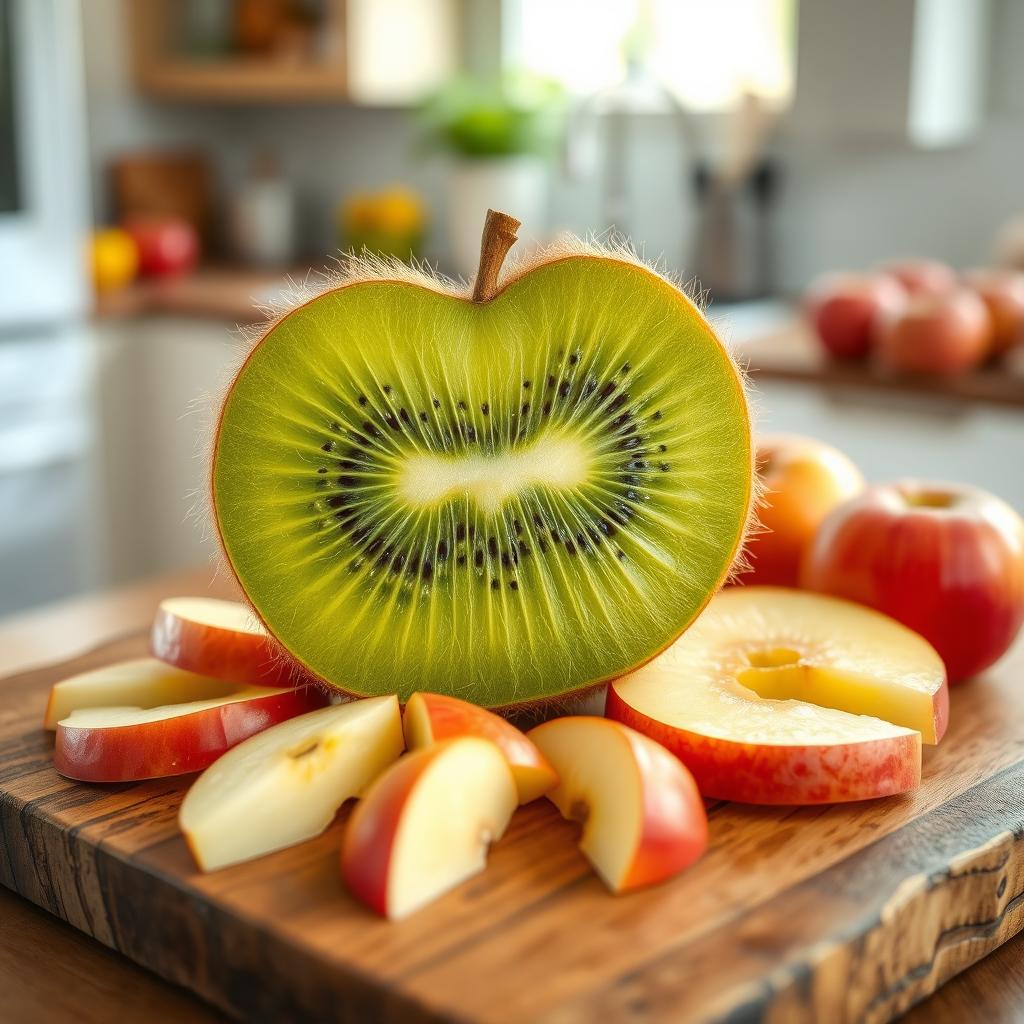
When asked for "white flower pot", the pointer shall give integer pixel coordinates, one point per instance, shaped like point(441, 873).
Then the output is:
point(514, 185)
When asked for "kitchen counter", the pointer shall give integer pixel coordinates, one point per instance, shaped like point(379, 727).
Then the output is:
point(767, 337)
point(96, 984)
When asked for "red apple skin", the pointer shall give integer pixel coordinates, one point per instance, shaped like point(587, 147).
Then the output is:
point(221, 653)
point(1002, 291)
point(953, 574)
point(675, 824)
point(372, 830)
point(167, 246)
point(922, 277)
point(844, 309)
point(174, 746)
point(943, 334)
point(780, 775)
point(804, 480)
point(449, 718)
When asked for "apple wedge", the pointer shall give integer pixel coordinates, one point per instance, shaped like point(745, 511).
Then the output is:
point(143, 719)
point(642, 815)
point(778, 696)
point(286, 785)
point(217, 638)
point(431, 717)
point(426, 823)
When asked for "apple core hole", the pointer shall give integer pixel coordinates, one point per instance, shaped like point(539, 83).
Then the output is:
point(773, 657)
point(929, 499)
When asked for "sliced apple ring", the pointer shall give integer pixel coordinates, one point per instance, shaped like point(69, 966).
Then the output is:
point(285, 785)
point(778, 696)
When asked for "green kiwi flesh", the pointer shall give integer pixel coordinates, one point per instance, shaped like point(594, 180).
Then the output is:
point(507, 501)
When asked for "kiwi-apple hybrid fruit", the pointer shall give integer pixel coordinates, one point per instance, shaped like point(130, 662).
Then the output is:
point(506, 495)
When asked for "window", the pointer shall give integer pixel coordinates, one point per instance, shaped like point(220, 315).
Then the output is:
point(707, 53)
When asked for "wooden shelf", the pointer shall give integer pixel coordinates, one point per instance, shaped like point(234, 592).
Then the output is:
point(272, 78)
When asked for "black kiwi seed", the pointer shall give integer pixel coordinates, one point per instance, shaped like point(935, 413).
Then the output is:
point(495, 584)
point(574, 358)
point(478, 558)
point(362, 399)
point(358, 438)
point(336, 426)
point(547, 408)
point(523, 549)
point(589, 388)
point(471, 434)
point(387, 389)
point(512, 585)
point(506, 560)
point(371, 429)
point(472, 531)
point(620, 420)
point(492, 547)
point(403, 415)
point(626, 367)
point(485, 408)
point(606, 528)
point(462, 405)
point(428, 570)
point(526, 408)
point(328, 446)
point(620, 554)
point(570, 548)
point(517, 526)
point(442, 552)
point(630, 479)
point(543, 545)
point(662, 447)
point(526, 385)
point(398, 562)
point(607, 389)
point(322, 469)
point(460, 531)
point(564, 388)
point(346, 481)
point(423, 416)
point(461, 560)
point(551, 380)
point(630, 442)
point(617, 403)
point(632, 495)
point(414, 564)
point(664, 467)
point(392, 421)
point(374, 546)
point(555, 536)
point(657, 415)
point(336, 500)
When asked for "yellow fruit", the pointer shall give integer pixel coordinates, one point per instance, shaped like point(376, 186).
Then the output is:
point(114, 257)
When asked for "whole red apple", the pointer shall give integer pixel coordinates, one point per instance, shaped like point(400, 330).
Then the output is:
point(804, 480)
point(922, 277)
point(944, 334)
point(947, 560)
point(1002, 291)
point(843, 310)
point(167, 246)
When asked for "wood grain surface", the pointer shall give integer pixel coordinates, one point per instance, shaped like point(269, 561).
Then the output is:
point(829, 913)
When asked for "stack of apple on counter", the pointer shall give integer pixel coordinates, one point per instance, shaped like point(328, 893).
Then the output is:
point(815, 679)
point(919, 316)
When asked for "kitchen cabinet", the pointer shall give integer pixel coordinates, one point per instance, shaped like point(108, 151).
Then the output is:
point(159, 381)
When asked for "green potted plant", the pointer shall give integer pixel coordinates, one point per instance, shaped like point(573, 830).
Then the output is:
point(500, 136)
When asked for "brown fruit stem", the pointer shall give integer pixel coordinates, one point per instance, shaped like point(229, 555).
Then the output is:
point(499, 236)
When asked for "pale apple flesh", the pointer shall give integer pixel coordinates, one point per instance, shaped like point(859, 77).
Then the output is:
point(143, 719)
point(642, 814)
point(219, 638)
point(286, 784)
point(775, 697)
point(426, 824)
point(431, 717)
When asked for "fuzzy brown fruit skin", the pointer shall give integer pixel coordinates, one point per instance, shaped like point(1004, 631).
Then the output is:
point(379, 271)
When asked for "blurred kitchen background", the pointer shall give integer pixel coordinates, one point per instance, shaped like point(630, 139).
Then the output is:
point(165, 165)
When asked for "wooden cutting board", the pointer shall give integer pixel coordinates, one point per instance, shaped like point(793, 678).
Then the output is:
point(836, 914)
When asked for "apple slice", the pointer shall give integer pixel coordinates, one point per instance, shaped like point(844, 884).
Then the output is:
point(430, 717)
point(286, 785)
point(643, 818)
point(143, 719)
point(426, 824)
point(767, 698)
point(223, 639)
